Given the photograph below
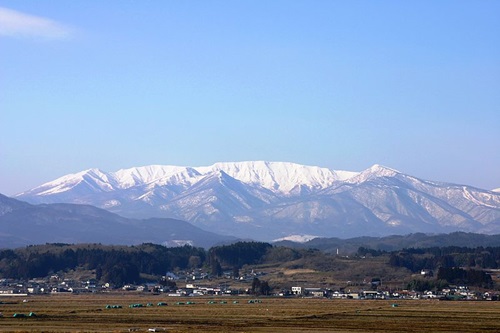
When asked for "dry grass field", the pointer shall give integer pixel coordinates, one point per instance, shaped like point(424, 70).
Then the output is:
point(88, 313)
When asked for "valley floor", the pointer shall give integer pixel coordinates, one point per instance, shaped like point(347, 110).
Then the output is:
point(96, 313)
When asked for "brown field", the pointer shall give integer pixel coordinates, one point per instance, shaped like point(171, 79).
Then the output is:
point(88, 313)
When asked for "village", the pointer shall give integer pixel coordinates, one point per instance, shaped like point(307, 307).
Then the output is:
point(201, 284)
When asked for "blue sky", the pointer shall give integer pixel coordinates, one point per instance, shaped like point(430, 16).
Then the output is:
point(413, 85)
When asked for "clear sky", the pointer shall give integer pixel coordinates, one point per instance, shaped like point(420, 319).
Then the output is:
point(412, 85)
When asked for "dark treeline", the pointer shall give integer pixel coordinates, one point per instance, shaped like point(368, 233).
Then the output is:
point(450, 256)
point(117, 265)
point(454, 265)
point(235, 256)
point(457, 275)
point(238, 254)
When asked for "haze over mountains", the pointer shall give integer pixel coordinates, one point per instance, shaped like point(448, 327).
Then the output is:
point(269, 200)
point(24, 224)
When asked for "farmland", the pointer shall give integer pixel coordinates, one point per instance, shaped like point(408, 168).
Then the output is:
point(89, 313)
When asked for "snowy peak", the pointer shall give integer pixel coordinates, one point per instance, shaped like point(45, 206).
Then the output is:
point(280, 177)
point(99, 180)
point(182, 177)
point(382, 171)
point(91, 180)
point(146, 174)
point(219, 178)
point(221, 184)
point(375, 171)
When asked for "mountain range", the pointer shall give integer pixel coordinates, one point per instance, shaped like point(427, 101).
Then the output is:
point(270, 200)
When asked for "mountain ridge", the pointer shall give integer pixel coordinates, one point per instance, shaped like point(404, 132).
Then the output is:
point(271, 175)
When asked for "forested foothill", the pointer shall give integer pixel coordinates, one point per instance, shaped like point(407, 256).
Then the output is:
point(280, 267)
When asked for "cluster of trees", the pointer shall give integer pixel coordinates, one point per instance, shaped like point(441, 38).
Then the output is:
point(425, 285)
point(363, 251)
point(448, 257)
point(452, 275)
point(457, 275)
point(118, 265)
point(236, 255)
point(239, 254)
point(455, 265)
point(260, 287)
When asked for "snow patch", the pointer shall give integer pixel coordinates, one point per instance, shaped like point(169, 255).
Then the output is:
point(243, 219)
point(297, 238)
point(469, 196)
point(177, 242)
point(375, 171)
point(111, 203)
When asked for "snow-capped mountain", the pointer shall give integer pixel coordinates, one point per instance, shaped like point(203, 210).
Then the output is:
point(268, 200)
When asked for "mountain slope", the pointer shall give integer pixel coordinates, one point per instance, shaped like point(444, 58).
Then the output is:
point(269, 200)
point(23, 224)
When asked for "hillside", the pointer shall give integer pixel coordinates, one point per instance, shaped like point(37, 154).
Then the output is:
point(396, 242)
point(272, 267)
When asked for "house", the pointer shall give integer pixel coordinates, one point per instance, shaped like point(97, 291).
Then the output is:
point(371, 294)
point(428, 295)
point(353, 295)
point(338, 294)
point(314, 292)
point(34, 290)
point(296, 290)
point(426, 272)
point(6, 291)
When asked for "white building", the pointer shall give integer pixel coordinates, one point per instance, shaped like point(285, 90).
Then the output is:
point(296, 290)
